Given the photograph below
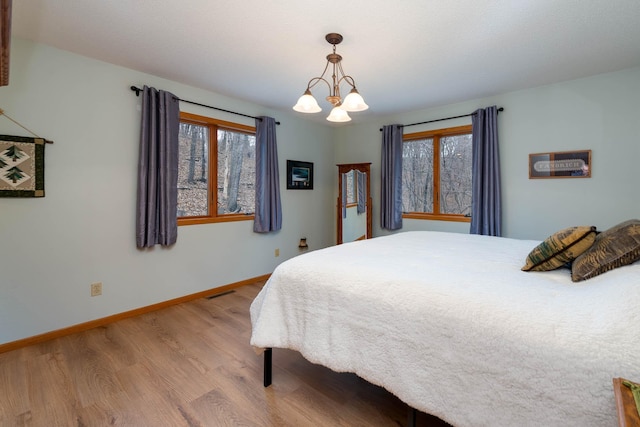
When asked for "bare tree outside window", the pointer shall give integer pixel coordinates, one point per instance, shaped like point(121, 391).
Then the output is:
point(436, 174)
point(455, 174)
point(417, 176)
point(236, 172)
point(228, 191)
point(193, 186)
point(351, 186)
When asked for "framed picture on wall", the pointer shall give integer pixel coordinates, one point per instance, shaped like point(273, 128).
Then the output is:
point(299, 175)
point(562, 164)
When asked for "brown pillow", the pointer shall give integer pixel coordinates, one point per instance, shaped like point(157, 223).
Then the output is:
point(613, 248)
point(560, 248)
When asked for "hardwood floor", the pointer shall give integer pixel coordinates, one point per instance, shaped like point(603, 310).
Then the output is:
point(186, 365)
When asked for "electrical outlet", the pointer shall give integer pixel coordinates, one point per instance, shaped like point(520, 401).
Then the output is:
point(96, 289)
point(277, 252)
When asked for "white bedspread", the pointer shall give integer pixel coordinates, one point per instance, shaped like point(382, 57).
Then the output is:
point(449, 324)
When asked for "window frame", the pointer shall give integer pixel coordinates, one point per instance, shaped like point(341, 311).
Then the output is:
point(212, 197)
point(436, 134)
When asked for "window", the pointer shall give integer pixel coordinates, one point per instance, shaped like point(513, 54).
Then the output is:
point(351, 187)
point(436, 174)
point(216, 170)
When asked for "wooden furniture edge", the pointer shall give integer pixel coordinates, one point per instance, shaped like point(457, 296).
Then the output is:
point(5, 40)
point(81, 327)
point(625, 404)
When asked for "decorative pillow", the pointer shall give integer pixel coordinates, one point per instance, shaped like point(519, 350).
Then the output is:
point(560, 248)
point(613, 248)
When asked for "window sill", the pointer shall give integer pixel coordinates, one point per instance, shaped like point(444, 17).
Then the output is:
point(437, 217)
point(212, 220)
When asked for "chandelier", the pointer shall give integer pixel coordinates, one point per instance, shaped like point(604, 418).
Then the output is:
point(352, 102)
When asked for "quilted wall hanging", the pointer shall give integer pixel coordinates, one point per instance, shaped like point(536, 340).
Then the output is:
point(21, 163)
point(21, 166)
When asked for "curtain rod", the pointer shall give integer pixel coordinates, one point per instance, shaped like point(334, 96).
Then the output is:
point(446, 118)
point(137, 90)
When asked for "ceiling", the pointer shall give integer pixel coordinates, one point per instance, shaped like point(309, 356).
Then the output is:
point(404, 55)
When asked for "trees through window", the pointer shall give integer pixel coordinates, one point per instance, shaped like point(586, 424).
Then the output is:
point(436, 174)
point(216, 170)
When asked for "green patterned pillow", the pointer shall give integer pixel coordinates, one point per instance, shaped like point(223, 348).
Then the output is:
point(560, 248)
point(613, 248)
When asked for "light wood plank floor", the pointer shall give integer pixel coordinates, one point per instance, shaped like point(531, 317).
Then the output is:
point(186, 365)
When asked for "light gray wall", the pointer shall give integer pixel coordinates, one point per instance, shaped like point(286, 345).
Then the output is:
point(53, 248)
point(599, 113)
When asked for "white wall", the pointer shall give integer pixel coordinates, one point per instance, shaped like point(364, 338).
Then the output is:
point(53, 248)
point(599, 113)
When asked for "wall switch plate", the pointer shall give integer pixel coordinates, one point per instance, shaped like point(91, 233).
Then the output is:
point(277, 252)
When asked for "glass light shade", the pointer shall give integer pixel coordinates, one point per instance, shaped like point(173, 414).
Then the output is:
point(354, 102)
point(338, 115)
point(307, 104)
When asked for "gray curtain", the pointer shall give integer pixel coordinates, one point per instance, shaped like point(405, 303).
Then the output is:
point(486, 203)
point(268, 215)
point(157, 198)
point(362, 182)
point(391, 194)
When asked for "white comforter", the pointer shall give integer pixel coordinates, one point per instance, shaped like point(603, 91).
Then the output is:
point(449, 324)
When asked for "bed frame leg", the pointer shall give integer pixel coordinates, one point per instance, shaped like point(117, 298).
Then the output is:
point(267, 367)
point(411, 419)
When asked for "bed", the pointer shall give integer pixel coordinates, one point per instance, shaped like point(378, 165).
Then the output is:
point(451, 325)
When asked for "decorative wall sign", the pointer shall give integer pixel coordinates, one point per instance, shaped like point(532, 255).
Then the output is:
point(21, 166)
point(299, 175)
point(563, 164)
